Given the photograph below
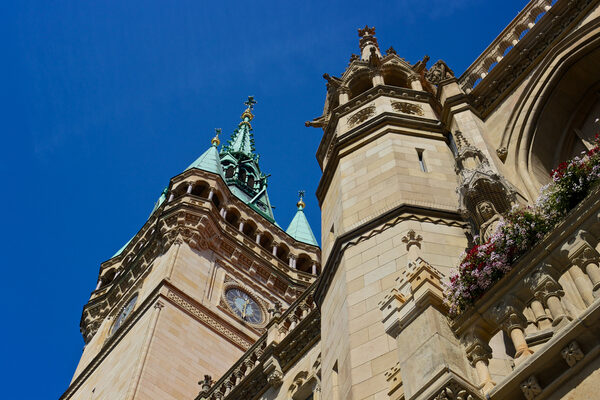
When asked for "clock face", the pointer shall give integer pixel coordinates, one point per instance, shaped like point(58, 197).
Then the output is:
point(244, 306)
point(124, 314)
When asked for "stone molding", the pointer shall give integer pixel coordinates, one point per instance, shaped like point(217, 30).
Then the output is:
point(375, 226)
point(208, 318)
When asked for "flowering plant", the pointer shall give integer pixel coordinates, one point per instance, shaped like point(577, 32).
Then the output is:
point(484, 264)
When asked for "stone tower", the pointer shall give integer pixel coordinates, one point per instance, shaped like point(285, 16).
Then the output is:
point(388, 196)
point(194, 288)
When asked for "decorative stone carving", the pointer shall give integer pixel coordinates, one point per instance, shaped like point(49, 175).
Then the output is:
point(438, 72)
point(480, 182)
point(361, 116)
point(407, 108)
point(502, 152)
point(491, 220)
point(454, 392)
point(531, 388)
point(411, 239)
point(390, 51)
point(275, 378)
point(206, 383)
point(572, 353)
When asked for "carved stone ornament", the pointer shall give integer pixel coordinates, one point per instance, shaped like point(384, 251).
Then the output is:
point(411, 239)
point(361, 116)
point(502, 152)
point(454, 392)
point(438, 72)
point(572, 353)
point(275, 378)
point(530, 387)
point(407, 108)
point(505, 314)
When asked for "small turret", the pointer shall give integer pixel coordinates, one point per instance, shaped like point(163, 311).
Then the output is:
point(299, 228)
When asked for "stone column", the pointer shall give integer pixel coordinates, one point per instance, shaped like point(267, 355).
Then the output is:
point(377, 78)
point(415, 83)
point(314, 269)
point(258, 238)
point(343, 95)
point(583, 284)
point(274, 250)
point(241, 228)
point(171, 197)
point(190, 187)
point(479, 353)
point(507, 316)
point(541, 318)
point(211, 194)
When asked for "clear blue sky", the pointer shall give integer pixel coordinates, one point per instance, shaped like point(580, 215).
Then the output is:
point(103, 101)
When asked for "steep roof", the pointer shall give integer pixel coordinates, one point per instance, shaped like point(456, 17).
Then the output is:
point(299, 228)
point(209, 160)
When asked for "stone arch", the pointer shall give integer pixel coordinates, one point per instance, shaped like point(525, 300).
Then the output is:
point(304, 263)
point(283, 252)
point(542, 115)
point(359, 83)
point(201, 189)
point(249, 229)
point(233, 217)
point(266, 241)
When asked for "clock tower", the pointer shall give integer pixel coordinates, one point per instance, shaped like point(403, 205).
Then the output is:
point(192, 290)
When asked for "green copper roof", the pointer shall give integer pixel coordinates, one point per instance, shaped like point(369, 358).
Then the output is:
point(209, 160)
point(240, 164)
point(299, 228)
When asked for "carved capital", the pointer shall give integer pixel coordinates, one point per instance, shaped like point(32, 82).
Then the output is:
point(506, 314)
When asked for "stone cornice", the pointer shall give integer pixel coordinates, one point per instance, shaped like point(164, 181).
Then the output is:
point(375, 226)
point(361, 100)
point(393, 122)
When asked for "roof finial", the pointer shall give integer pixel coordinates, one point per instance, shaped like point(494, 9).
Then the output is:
point(247, 115)
point(367, 42)
point(215, 141)
point(300, 204)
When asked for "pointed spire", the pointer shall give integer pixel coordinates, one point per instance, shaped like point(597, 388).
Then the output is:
point(368, 43)
point(299, 228)
point(209, 160)
point(242, 140)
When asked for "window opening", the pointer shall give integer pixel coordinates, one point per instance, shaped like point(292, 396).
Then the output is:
point(421, 160)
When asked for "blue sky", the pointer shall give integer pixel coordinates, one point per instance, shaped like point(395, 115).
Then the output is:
point(104, 101)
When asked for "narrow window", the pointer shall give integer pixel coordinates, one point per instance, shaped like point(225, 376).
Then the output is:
point(421, 160)
point(452, 144)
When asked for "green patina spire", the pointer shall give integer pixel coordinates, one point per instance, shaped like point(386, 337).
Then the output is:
point(209, 160)
point(240, 163)
point(299, 228)
point(242, 140)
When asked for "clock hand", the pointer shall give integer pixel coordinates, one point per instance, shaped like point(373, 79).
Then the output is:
point(244, 310)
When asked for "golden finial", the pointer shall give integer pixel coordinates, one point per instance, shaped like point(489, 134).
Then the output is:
point(300, 204)
point(215, 141)
point(249, 107)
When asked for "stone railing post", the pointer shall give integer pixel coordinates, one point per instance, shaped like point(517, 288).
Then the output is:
point(507, 316)
point(479, 354)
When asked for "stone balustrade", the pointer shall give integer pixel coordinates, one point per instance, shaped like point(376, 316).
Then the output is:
point(263, 365)
point(545, 295)
point(515, 32)
point(522, 338)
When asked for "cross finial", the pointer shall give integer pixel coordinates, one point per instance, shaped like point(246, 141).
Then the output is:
point(215, 141)
point(250, 102)
point(300, 203)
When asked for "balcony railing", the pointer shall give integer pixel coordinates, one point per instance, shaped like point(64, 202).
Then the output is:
point(537, 306)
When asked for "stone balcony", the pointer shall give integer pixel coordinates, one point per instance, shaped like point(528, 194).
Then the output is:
point(529, 335)
point(289, 334)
